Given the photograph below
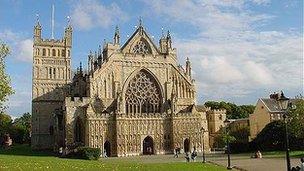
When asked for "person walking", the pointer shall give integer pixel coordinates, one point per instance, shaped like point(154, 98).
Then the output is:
point(105, 154)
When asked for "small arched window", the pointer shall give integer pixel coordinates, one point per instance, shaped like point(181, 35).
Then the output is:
point(63, 53)
point(49, 52)
point(53, 52)
point(58, 52)
point(69, 53)
point(43, 52)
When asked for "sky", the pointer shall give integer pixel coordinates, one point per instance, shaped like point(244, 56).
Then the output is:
point(240, 50)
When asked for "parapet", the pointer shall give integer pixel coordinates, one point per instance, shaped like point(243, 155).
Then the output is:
point(76, 101)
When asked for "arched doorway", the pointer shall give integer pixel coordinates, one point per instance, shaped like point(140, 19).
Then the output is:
point(186, 145)
point(107, 148)
point(148, 148)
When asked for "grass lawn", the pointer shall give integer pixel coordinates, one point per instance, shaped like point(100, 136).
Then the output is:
point(297, 154)
point(23, 158)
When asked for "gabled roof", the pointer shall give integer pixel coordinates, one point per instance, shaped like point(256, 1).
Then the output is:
point(137, 35)
point(273, 105)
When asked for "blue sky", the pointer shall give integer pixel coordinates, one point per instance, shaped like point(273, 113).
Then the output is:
point(240, 50)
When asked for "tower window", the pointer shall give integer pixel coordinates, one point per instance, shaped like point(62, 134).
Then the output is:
point(68, 53)
point(58, 52)
point(63, 53)
point(49, 54)
point(54, 72)
point(50, 73)
point(53, 52)
point(43, 52)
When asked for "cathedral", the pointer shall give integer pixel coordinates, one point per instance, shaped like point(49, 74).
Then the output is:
point(134, 98)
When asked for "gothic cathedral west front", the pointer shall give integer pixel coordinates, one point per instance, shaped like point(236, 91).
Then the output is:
point(133, 98)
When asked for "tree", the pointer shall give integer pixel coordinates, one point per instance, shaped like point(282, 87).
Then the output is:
point(21, 128)
point(296, 122)
point(5, 124)
point(232, 110)
point(5, 88)
point(272, 137)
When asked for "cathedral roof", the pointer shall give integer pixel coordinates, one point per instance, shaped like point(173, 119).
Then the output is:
point(139, 34)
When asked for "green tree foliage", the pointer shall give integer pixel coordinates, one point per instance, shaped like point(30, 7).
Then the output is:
point(241, 134)
point(233, 111)
point(296, 122)
point(5, 88)
point(5, 123)
point(21, 128)
point(221, 140)
point(272, 137)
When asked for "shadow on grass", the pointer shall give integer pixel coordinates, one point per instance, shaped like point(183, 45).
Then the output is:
point(24, 150)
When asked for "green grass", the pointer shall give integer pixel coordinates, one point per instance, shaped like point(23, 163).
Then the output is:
point(23, 158)
point(297, 154)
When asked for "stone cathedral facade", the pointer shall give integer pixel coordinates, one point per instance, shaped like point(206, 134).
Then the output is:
point(133, 99)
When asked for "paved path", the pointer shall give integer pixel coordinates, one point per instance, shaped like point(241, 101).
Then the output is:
point(241, 161)
point(247, 163)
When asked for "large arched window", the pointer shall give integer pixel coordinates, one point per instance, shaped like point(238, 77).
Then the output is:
point(143, 94)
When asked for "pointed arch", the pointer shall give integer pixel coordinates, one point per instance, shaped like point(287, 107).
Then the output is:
point(142, 93)
point(141, 47)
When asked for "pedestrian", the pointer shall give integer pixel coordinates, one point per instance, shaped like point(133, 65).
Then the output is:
point(187, 157)
point(176, 152)
point(105, 153)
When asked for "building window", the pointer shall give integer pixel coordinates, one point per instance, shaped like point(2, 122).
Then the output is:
point(142, 47)
point(53, 52)
point(43, 52)
point(63, 53)
point(143, 94)
point(50, 72)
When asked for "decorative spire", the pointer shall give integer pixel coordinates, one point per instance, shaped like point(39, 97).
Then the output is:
point(116, 36)
point(162, 33)
point(140, 21)
point(69, 21)
point(37, 19)
point(140, 27)
point(99, 50)
point(168, 35)
point(80, 68)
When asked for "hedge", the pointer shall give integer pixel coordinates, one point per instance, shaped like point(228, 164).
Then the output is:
point(87, 153)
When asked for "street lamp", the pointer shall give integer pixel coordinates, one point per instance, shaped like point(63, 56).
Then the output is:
point(202, 130)
point(226, 122)
point(283, 105)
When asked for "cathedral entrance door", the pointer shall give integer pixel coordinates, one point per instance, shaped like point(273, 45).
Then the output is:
point(186, 145)
point(107, 148)
point(148, 146)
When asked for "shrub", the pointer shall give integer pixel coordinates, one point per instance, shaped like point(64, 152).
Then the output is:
point(87, 153)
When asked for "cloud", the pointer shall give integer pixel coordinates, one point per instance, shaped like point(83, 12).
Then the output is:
point(21, 47)
point(91, 13)
point(233, 56)
point(25, 50)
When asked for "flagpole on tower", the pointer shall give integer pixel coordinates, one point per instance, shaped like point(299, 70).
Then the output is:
point(53, 22)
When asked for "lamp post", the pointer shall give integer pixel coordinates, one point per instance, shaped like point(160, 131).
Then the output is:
point(226, 122)
point(283, 105)
point(202, 130)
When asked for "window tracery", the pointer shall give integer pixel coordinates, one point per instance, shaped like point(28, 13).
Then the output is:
point(143, 94)
point(141, 47)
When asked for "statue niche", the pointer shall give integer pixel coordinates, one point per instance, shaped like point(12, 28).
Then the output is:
point(143, 94)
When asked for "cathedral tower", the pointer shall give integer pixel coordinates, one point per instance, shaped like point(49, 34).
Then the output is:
point(51, 76)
